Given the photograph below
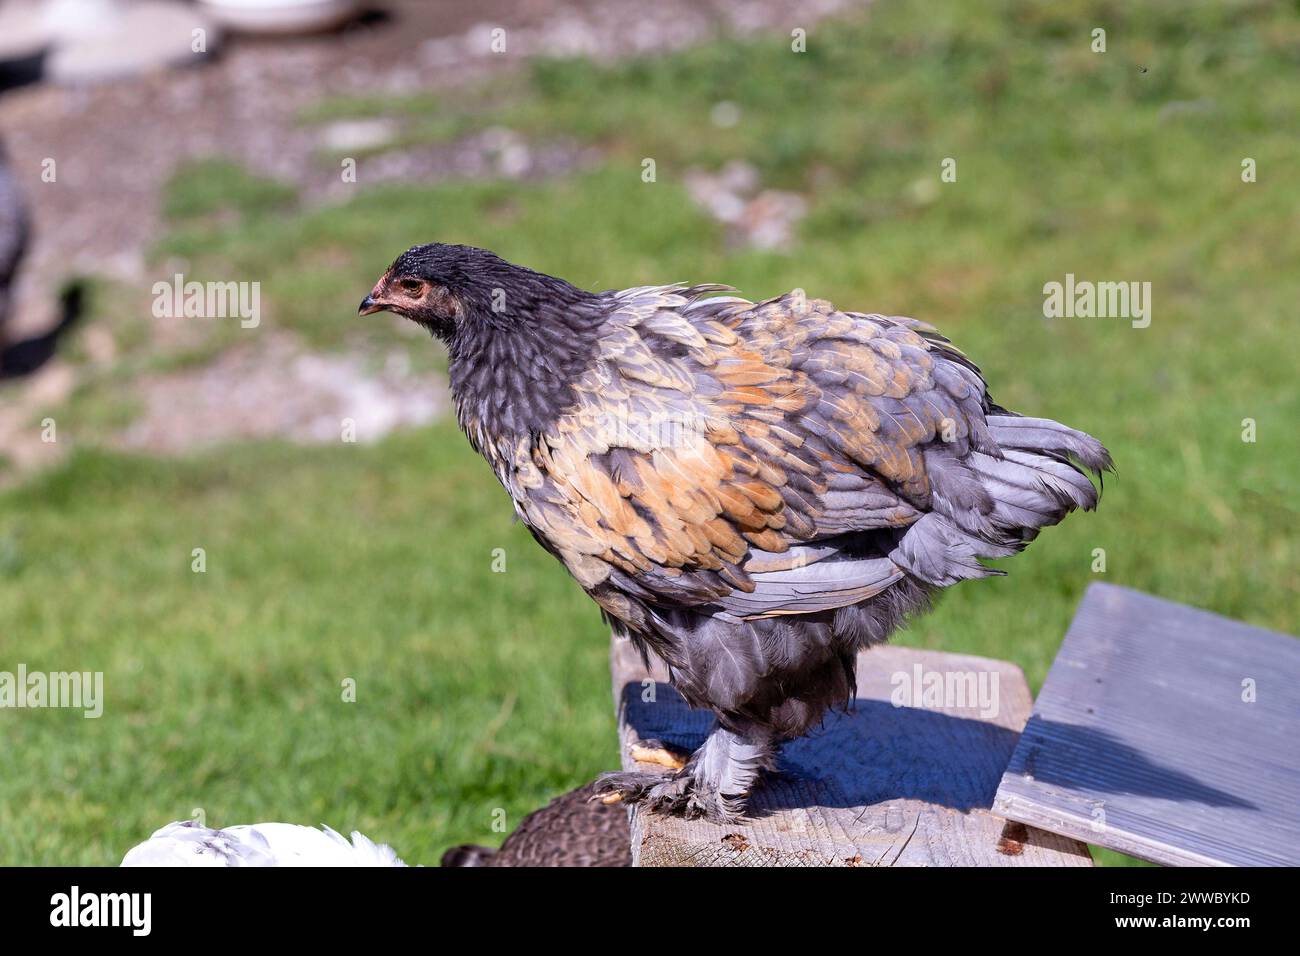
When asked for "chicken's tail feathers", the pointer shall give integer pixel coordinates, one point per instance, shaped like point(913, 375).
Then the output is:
point(992, 505)
point(1043, 471)
point(1039, 435)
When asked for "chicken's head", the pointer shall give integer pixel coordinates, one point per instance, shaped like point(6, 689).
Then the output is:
point(426, 284)
point(457, 290)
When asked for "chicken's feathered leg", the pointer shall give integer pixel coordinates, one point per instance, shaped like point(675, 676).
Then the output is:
point(713, 784)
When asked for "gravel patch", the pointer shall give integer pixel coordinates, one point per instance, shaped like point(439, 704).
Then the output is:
point(760, 218)
point(277, 390)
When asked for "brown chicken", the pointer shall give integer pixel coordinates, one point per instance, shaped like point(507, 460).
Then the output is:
point(750, 491)
point(571, 830)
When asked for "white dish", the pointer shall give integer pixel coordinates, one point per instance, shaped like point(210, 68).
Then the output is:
point(280, 16)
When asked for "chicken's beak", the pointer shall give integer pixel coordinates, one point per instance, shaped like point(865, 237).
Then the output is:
point(369, 305)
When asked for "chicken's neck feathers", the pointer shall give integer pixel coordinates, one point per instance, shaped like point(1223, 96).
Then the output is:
point(512, 371)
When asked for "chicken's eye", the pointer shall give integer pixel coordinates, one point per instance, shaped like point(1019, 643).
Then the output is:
point(411, 287)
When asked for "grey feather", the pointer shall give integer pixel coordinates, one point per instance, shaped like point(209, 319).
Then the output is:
point(938, 553)
point(730, 761)
point(816, 587)
point(1043, 434)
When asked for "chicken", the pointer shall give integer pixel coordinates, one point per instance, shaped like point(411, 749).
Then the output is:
point(571, 830)
point(752, 492)
point(186, 843)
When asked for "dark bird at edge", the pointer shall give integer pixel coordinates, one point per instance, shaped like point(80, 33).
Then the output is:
point(14, 235)
point(571, 830)
point(750, 491)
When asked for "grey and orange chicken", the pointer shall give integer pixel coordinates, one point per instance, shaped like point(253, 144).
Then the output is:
point(750, 491)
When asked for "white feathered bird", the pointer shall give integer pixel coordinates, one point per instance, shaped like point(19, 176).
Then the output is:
point(185, 843)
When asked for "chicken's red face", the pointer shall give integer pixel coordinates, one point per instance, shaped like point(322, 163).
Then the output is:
point(418, 297)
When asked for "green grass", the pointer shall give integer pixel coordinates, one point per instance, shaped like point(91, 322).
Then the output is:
point(206, 191)
point(479, 691)
point(474, 690)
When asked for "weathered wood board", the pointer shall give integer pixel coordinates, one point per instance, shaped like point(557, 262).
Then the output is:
point(1145, 738)
point(879, 786)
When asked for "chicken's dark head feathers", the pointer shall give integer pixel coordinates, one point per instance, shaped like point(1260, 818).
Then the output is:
point(516, 339)
point(457, 291)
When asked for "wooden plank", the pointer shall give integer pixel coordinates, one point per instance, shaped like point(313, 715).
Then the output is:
point(1145, 739)
point(879, 786)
